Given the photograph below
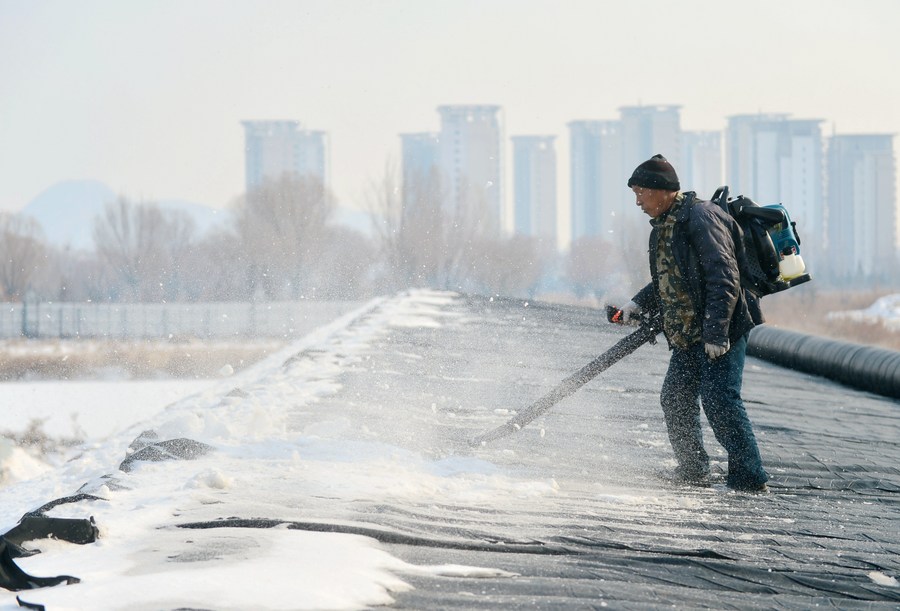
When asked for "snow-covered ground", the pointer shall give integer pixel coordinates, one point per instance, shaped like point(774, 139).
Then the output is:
point(885, 310)
point(140, 562)
point(343, 448)
point(85, 411)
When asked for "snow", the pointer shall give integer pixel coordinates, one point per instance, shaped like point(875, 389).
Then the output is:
point(113, 405)
point(16, 464)
point(885, 310)
point(289, 448)
point(287, 569)
point(884, 580)
point(260, 466)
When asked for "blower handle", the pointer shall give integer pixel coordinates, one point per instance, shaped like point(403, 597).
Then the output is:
point(614, 315)
point(720, 197)
point(650, 321)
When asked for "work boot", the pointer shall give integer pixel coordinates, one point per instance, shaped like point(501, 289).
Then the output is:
point(688, 477)
point(751, 488)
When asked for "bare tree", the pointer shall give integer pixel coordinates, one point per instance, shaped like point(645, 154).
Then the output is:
point(68, 275)
point(216, 268)
point(511, 267)
point(596, 267)
point(344, 267)
point(408, 229)
point(425, 240)
point(22, 254)
point(143, 246)
point(281, 227)
point(466, 228)
point(181, 233)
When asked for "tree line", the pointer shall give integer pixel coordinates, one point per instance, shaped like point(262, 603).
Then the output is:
point(282, 243)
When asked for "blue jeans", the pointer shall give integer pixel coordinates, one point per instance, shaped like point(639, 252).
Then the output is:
point(692, 377)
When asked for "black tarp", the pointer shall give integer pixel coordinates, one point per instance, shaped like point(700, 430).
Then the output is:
point(616, 534)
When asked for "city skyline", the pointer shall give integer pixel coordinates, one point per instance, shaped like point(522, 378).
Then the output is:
point(850, 201)
point(93, 95)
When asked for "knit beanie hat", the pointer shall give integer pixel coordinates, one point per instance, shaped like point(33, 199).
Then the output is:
point(655, 173)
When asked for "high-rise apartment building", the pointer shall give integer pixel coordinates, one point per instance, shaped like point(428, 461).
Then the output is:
point(861, 208)
point(700, 169)
point(603, 155)
point(534, 197)
point(773, 159)
point(597, 178)
point(274, 148)
point(471, 161)
point(741, 147)
point(648, 130)
point(420, 155)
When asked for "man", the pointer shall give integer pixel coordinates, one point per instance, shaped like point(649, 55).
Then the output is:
point(695, 258)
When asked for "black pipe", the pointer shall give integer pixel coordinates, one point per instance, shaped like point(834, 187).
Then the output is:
point(876, 370)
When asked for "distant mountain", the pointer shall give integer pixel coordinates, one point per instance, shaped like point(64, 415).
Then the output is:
point(67, 210)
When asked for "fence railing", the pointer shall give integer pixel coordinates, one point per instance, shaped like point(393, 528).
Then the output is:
point(151, 320)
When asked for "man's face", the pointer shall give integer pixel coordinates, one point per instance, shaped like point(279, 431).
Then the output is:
point(653, 202)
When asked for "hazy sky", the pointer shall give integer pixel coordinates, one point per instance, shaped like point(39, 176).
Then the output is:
point(147, 96)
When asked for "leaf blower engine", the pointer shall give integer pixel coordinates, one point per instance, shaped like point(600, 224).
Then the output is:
point(771, 242)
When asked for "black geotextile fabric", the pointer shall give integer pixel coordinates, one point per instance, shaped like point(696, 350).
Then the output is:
point(170, 449)
point(36, 525)
point(14, 578)
point(619, 534)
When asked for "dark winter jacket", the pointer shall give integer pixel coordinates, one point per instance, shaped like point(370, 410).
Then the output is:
point(708, 250)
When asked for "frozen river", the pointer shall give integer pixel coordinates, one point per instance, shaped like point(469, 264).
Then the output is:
point(111, 405)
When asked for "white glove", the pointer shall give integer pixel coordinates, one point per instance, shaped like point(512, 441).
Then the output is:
point(631, 314)
point(714, 351)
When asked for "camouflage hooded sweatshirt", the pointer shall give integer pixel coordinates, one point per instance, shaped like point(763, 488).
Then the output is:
point(679, 315)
